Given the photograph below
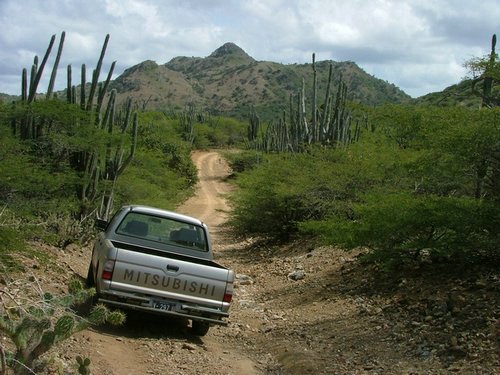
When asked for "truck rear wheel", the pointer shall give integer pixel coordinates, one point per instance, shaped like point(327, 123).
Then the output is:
point(90, 277)
point(200, 328)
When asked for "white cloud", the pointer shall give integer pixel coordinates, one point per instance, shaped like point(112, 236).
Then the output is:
point(419, 45)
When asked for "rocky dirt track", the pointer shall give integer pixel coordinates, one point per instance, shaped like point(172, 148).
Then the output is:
point(298, 309)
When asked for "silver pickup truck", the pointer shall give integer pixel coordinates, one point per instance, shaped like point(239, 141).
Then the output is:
point(160, 262)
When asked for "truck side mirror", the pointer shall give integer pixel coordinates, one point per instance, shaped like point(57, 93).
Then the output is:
point(101, 224)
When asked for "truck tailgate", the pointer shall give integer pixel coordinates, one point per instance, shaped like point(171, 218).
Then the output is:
point(170, 278)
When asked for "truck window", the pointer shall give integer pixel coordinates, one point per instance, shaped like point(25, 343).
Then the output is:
point(163, 230)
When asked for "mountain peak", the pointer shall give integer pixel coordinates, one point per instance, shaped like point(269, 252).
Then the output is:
point(230, 50)
point(144, 66)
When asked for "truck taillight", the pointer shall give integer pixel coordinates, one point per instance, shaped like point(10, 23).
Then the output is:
point(227, 297)
point(107, 271)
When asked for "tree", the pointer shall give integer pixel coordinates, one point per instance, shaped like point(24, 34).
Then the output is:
point(486, 72)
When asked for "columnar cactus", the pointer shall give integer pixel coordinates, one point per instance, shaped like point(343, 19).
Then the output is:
point(330, 124)
point(24, 86)
point(488, 79)
point(50, 89)
point(314, 101)
point(325, 118)
point(83, 85)
point(254, 128)
point(95, 75)
point(490, 75)
point(187, 121)
point(69, 85)
point(38, 71)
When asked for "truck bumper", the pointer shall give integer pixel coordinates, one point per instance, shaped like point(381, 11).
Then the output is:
point(198, 313)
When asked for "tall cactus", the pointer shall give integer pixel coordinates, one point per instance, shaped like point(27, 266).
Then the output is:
point(254, 128)
point(24, 86)
point(306, 134)
point(490, 75)
point(93, 164)
point(38, 71)
point(325, 117)
point(103, 90)
point(330, 123)
point(69, 85)
point(314, 101)
point(187, 122)
point(83, 85)
point(96, 73)
point(53, 75)
point(488, 79)
point(116, 161)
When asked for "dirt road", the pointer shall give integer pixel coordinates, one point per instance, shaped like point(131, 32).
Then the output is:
point(162, 346)
point(209, 203)
point(298, 309)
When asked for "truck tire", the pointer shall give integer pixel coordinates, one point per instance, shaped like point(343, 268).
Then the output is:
point(90, 277)
point(200, 328)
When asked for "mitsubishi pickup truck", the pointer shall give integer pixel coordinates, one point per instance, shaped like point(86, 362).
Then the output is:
point(160, 262)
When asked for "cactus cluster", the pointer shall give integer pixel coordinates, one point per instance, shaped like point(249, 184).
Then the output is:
point(330, 124)
point(100, 167)
point(187, 120)
point(36, 329)
point(83, 365)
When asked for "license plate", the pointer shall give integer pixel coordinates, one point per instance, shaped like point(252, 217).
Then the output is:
point(165, 306)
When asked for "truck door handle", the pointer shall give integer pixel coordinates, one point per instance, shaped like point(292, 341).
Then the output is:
point(172, 268)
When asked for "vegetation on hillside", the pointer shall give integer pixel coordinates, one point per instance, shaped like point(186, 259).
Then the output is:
point(61, 157)
point(45, 203)
point(427, 180)
point(40, 201)
point(420, 183)
point(229, 82)
point(329, 120)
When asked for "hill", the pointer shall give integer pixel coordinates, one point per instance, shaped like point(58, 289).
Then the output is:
point(6, 98)
point(230, 81)
point(459, 94)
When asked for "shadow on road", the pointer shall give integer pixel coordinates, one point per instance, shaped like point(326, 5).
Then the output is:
point(140, 325)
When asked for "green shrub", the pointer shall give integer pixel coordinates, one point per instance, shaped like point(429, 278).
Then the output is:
point(286, 190)
point(149, 181)
point(245, 160)
point(11, 242)
point(440, 195)
point(219, 132)
point(425, 179)
point(399, 227)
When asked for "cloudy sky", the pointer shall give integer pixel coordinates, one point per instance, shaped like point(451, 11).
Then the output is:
point(419, 45)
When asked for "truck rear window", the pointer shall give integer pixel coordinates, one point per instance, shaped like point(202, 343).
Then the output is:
point(163, 230)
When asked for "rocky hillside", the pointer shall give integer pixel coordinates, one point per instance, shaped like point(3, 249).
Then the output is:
point(455, 95)
point(230, 81)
